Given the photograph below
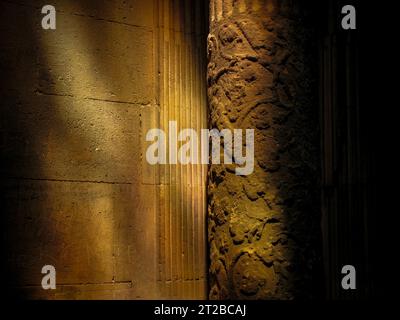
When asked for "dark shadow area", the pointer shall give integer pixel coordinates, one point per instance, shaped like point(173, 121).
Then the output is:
point(348, 152)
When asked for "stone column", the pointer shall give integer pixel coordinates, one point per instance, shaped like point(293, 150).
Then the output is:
point(263, 229)
point(180, 59)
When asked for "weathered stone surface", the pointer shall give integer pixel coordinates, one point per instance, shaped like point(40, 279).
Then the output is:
point(64, 224)
point(263, 228)
point(133, 12)
point(89, 231)
point(84, 57)
point(74, 139)
point(97, 59)
point(111, 291)
point(76, 105)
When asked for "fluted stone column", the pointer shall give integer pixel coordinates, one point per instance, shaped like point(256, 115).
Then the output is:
point(263, 229)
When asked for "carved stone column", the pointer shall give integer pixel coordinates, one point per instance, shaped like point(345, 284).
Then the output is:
point(263, 229)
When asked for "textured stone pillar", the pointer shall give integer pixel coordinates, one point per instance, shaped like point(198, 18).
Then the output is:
point(263, 228)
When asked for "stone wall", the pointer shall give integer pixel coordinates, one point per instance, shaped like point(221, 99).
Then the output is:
point(76, 103)
point(263, 228)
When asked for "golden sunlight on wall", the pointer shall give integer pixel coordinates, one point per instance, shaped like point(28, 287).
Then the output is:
point(79, 194)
